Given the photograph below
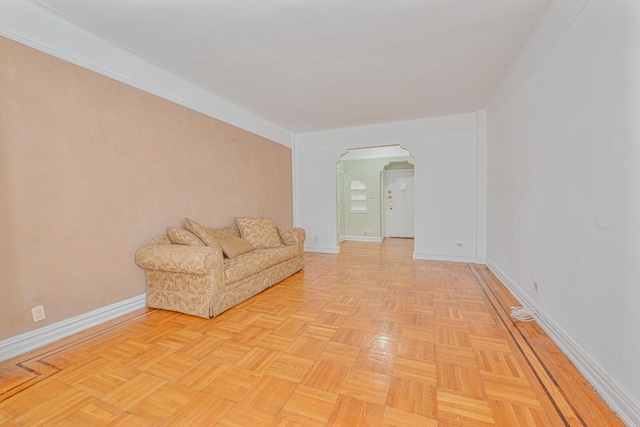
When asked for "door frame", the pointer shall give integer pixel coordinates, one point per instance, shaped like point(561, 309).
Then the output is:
point(386, 175)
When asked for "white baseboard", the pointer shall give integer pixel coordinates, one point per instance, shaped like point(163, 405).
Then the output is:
point(363, 239)
point(452, 258)
point(31, 340)
point(627, 409)
point(321, 249)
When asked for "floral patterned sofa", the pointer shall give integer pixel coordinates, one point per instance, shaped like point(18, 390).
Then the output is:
point(205, 271)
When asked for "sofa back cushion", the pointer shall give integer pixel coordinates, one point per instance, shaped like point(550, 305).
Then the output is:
point(222, 233)
point(201, 232)
point(262, 233)
point(160, 240)
point(179, 236)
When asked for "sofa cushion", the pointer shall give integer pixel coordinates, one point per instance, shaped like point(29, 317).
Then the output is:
point(180, 236)
point(255, 261)
point(234, 246)
point(221, 233)
point(201, 232)
point(161, 240)
point(262, 233)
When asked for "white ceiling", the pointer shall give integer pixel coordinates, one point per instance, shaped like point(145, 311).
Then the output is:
point(310, 65)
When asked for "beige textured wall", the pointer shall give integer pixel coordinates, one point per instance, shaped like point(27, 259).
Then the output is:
point(91, 169)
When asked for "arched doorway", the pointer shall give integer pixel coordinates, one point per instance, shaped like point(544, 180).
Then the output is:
point(363, 203)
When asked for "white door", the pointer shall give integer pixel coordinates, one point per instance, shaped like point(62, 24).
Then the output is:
point(399, 198)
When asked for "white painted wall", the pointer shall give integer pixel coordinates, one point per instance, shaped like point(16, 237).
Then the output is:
point(564, 193)
point(448, 182)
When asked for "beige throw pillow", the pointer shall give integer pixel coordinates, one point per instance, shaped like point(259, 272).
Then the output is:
point(201, 232)
point(179, 236)
point(234, 246)
point(262, 233)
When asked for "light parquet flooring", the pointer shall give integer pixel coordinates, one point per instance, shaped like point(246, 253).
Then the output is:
point(369, 337)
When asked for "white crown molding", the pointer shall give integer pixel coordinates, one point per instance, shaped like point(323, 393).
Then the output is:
point(553, 20)
point(30, 23)
point(31, 340)
point(389, 133)
point(618, 401)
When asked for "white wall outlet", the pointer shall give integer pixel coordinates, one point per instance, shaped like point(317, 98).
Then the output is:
point(536, 286)
point(459, 244)
point(315, 238)
point(38, 313)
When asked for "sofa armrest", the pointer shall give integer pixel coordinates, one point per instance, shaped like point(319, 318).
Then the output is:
point(179, 258)
point(292, 236)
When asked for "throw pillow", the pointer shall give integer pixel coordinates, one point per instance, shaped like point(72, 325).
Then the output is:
point(262, 233)
point(179, 236)
point(201, 232)
point(234, 246)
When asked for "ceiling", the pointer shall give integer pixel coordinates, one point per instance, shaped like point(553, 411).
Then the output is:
point(311, 65)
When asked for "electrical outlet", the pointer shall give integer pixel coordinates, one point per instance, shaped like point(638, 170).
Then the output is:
point(38, 313)
point(459, 244)
point(536, 286)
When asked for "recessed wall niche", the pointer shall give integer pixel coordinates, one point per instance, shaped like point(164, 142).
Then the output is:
point(358, 196)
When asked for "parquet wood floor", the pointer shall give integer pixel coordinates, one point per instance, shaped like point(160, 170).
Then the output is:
point(369, 337)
